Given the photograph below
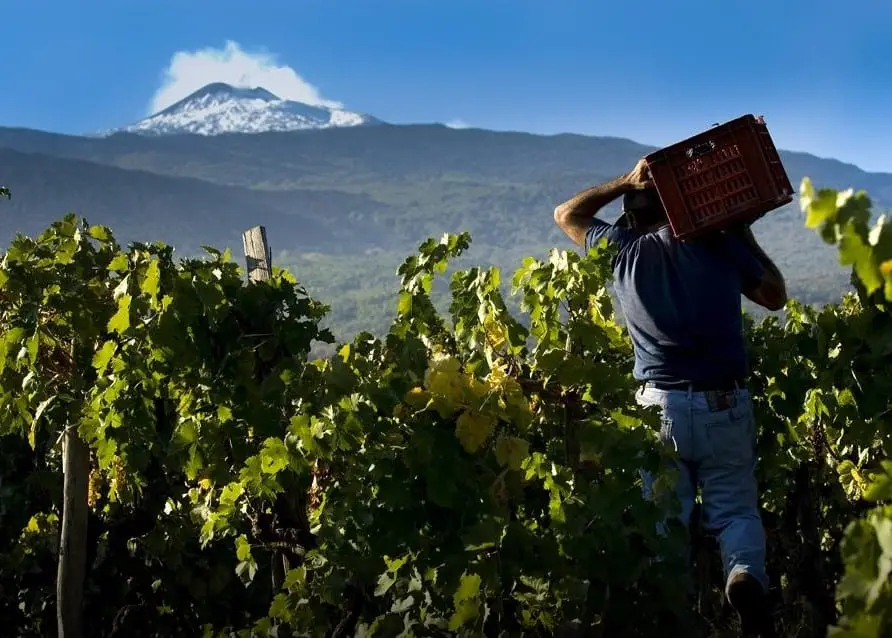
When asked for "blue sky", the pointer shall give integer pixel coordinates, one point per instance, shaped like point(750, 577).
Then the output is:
point(653, 70)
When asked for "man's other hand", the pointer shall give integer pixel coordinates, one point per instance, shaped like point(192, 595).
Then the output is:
point(639, 177)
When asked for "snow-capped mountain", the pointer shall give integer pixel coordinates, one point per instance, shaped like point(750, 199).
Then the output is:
point(221, 108)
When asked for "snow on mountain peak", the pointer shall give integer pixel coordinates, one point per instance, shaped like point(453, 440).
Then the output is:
point(219, 108)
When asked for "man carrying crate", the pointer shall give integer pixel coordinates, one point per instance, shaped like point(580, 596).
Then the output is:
point(682, 306)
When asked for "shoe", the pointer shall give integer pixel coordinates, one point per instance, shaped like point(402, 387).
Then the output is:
point(748, 599)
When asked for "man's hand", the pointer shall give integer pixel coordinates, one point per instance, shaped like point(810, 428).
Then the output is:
point(639, 178)
point(575, 215)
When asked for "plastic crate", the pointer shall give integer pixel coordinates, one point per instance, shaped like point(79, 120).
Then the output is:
point(727, 175)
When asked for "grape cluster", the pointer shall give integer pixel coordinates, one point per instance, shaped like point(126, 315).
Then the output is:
point(94, 487)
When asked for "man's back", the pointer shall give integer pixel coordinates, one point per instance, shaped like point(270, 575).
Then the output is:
point(681, 302)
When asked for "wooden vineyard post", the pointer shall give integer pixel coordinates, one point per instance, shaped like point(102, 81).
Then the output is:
point(73, 536)
point(257, 254)
point(259, 259)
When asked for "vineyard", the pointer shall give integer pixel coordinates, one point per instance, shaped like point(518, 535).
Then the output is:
point(475, 474)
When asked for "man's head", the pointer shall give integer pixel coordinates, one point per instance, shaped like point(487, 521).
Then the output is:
point(644, 209)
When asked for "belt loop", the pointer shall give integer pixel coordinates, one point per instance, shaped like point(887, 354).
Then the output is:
point(690, 391)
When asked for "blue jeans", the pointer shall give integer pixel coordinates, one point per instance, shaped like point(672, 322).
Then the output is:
point(716, 452)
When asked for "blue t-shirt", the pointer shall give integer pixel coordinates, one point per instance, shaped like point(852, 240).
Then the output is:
point(681, 301)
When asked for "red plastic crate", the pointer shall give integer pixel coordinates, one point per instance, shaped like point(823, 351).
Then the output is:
point(729, 174)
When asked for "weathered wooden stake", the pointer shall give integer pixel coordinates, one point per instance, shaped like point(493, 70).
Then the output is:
point(259, 258)
point(73, 536)
point(257, 254)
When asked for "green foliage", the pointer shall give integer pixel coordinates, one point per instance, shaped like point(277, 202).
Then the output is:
point(852, 401)
point(170, 371)
point(474, 470)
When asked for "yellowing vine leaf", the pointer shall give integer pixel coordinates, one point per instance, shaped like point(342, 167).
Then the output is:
point(444, 378)
point(511, 451)
point(473, 429)
point(496, 334)
point(466, 600)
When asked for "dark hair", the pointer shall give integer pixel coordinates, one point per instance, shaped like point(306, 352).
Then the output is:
point(644, 208)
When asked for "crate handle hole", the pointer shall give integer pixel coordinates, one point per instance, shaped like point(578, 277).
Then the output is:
point(700, 149)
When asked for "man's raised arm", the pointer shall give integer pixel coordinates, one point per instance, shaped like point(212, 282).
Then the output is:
point(575, 215)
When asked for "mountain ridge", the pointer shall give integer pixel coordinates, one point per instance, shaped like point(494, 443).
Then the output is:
point(8, 136)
